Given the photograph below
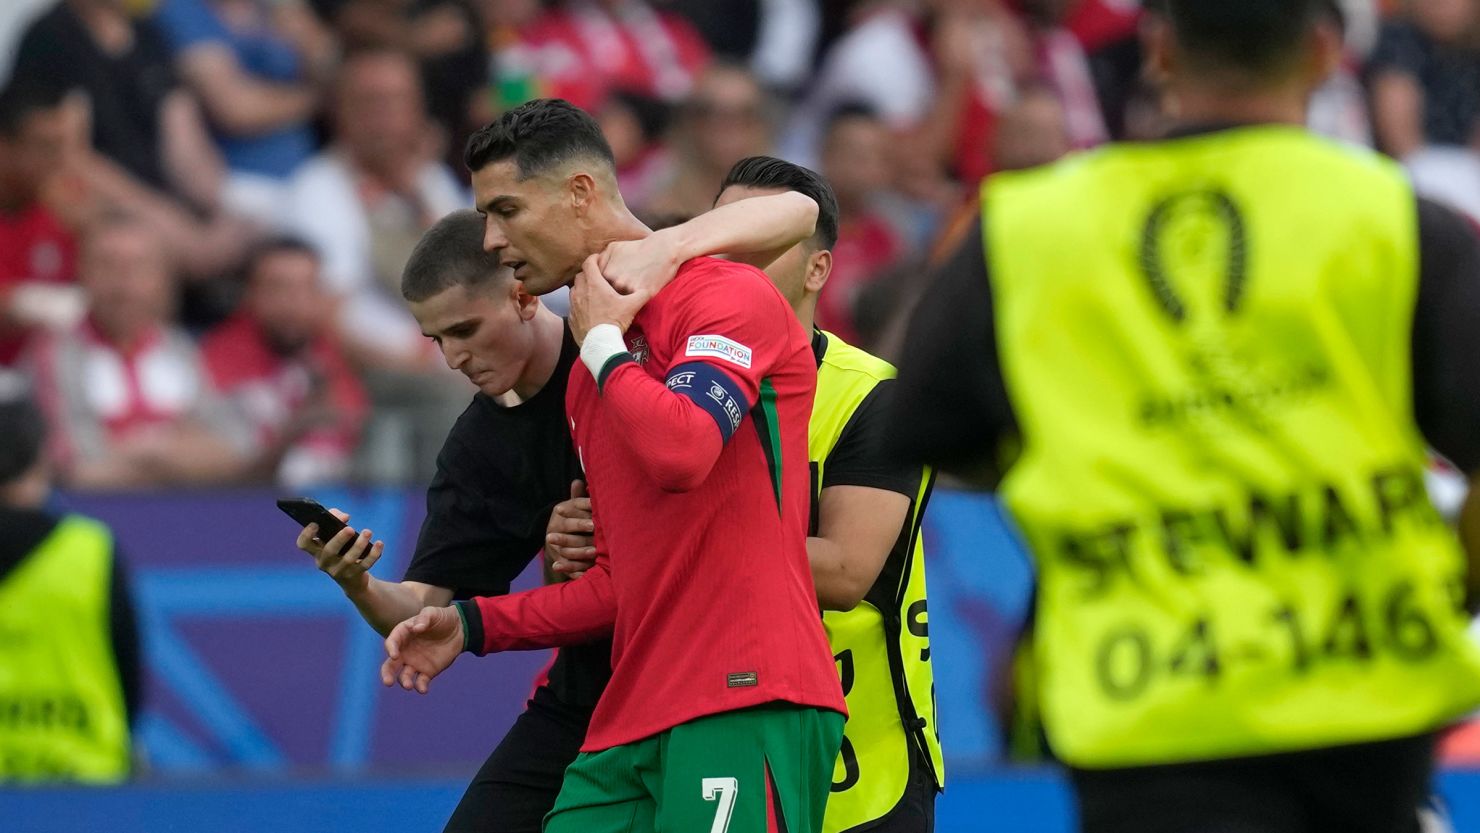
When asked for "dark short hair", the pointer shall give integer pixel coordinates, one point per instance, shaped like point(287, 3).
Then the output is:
point(22, 98)
point(539, 135)
point(449, 254)
point(22, 428)
point(770, 172)
point(1254, 37)
point(280, 244)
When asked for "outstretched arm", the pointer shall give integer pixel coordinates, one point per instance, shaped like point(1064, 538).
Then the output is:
point(569, 613)
point(756, 231)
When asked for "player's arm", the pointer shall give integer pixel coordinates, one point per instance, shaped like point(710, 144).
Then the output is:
point(952, 410)
point(678, 427)
point(1446, 339)
point(569, 613)
point(863, 507)
point(756, 231)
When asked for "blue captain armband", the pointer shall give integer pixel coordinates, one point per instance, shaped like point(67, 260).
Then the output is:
point(713, 390)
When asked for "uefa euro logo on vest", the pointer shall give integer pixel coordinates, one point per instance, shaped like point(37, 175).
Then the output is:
point(1221, 478)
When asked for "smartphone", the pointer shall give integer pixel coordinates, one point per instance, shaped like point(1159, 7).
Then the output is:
point(307, 511)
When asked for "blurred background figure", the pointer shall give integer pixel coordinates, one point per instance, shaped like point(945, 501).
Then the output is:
point(856, 161)
point(38, 250)
point(636, 127)
point(620, 45)
point(445, 39)
point(69, 656)
point(127, 397)
point(258, 69)
point(777, 39)
point(284, 372)
point(1425, 78)
point(153, 153)
point(727, 118)
point(362, 203)
point(1033, 132)
point(1425, 83)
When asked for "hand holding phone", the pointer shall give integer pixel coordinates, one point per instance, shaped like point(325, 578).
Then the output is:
point(353, 554)
point(309, 511)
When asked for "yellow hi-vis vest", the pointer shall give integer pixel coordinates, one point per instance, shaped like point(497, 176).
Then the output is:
point(62, 716)
point(882, 646)
point(1206, 342)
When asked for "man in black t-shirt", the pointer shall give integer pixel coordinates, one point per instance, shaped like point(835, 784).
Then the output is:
point(506, 463)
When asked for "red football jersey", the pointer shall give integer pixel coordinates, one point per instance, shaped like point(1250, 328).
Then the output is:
point(703, 540)
point(34, 246)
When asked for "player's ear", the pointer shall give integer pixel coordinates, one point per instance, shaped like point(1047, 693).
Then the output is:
point(819, 269)
point(525, 303)
point(581, 189)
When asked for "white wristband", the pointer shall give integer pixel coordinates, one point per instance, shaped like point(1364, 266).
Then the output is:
point(602, 342)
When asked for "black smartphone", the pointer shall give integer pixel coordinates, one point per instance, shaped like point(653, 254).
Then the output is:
point(307, 511)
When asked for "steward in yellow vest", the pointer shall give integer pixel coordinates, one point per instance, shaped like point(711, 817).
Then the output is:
point(68, 653)
point(1205, 369)
point(868, 561)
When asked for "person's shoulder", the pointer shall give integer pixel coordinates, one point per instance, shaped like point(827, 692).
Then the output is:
point(441, 189)
point(324, 166)
point(230, 336)
point(175, 341)
point(844, 359)
point(705, 273)
point(57, 21)
point(233, 351)
point(185, 23)
point(711, 283)
point(321, 179)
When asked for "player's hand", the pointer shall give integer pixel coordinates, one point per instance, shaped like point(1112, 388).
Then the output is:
point(593, 301)
point(422, 647)
point(639, 268)
point(568, 536)
point(347, 557)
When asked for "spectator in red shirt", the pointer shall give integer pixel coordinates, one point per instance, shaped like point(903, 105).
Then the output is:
point(615, 44)
point(855, 159)
point(38, 257)
point(125, 391)
point(284, 373)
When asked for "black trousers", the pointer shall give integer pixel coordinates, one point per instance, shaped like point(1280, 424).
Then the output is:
point(1366, 788)
point(517, 785)
point(915, 812)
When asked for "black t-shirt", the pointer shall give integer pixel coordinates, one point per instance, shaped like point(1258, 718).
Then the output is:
point(857, 459)
point(953, 410)
point(127, 91)
point(1448, 75)
point(499, 475)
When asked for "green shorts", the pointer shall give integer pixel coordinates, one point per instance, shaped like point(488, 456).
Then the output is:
point(758, 770)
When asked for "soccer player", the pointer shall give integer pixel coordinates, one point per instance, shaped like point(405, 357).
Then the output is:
point(507, 460)
point(690, 415)
point(868, 561)
point(1217, 358)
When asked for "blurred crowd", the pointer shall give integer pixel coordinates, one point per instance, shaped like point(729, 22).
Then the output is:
point(205, 205)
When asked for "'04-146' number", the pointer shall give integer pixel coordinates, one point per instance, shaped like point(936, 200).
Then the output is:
point(1127, 661)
